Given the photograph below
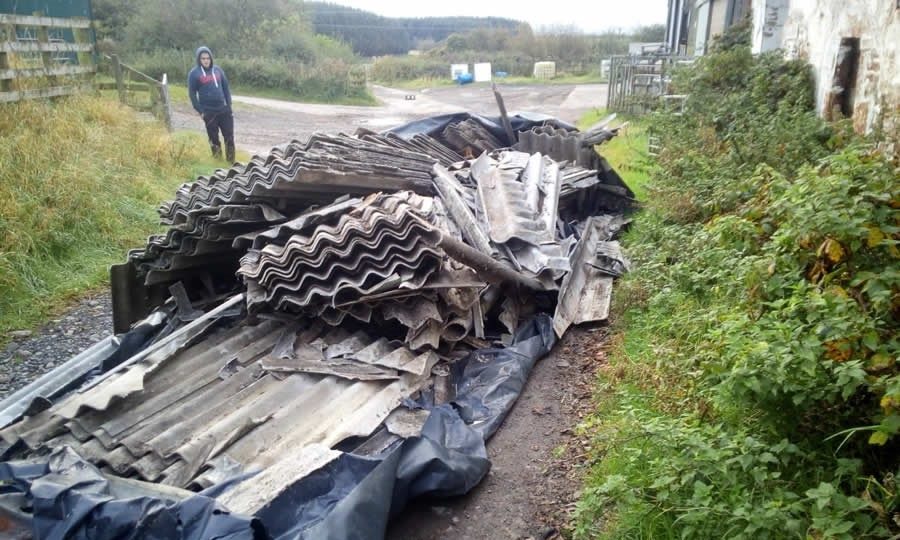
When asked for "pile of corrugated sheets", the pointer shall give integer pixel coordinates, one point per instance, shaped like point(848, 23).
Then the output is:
point(375, 228)
point(207, 214)
point(365, 267)
point(243, 399)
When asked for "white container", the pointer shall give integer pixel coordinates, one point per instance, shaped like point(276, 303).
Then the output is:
point(458, 69)
point(544, 70)
point(483, 72)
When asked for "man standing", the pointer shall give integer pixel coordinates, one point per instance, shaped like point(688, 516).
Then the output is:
point(208, 88)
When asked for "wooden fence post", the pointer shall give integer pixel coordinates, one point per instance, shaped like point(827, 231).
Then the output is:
point(166, 104)
point(6, 57)
point(117, 72)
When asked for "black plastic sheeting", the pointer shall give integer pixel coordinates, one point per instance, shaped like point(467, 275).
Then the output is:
point(69, 498)
point(352, 497)
point(433, 126)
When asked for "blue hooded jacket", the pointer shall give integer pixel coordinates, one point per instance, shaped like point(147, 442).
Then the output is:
point(208, 88)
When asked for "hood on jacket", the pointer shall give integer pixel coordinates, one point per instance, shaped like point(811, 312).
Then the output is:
point(201, 50)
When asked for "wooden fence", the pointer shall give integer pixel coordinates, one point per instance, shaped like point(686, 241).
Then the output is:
point(138, 90)
point(44, 57)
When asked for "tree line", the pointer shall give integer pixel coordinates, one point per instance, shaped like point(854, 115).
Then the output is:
point(374, 35)
point(295, 45)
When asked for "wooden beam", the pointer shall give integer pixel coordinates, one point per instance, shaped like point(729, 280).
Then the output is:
point(117, 73)
point(166, 104)
point(27, 73)
point(53, 22)
point(507, 126)
point(32, 46)
point(36, 93)
point(146, 78)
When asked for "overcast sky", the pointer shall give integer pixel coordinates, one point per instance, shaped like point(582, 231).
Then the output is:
point(593, 16)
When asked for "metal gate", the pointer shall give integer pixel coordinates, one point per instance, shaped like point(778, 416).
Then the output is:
point(637, 82)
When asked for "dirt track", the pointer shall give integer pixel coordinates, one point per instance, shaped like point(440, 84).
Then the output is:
point(537, 460)
point(263, 123)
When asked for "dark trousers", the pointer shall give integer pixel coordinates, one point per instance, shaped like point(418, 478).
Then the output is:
point(220, 121)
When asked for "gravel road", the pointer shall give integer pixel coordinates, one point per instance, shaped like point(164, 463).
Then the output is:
point(31, 354)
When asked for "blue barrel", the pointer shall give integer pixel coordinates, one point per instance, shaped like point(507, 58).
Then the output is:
point(465, 78)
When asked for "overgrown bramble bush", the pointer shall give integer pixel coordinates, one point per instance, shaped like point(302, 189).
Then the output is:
point(741, 111)
point(755, 392)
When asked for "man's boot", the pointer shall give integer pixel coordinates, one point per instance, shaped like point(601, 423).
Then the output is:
point(229, 153)
point(216, 151)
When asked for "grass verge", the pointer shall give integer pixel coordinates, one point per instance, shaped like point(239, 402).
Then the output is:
point(627, 152)
point(752, 389)
point(81, 181)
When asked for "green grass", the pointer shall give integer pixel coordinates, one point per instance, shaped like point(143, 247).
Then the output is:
point(81, 181)
point(627, 152)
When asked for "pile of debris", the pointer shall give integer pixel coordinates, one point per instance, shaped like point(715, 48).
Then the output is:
point(359, 271)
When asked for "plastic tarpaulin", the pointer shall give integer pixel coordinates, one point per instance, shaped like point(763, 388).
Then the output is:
point(71, 499)
point(433, 126)
point(351, 497)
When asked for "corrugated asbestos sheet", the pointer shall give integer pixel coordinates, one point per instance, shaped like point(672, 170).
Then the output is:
point(243, 399)
point(470, 138)
point(445, 155)
point(300, 174)
point(586, 291)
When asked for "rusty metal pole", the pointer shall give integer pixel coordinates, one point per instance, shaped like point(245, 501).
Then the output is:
point(486, 267)
point(503, 116)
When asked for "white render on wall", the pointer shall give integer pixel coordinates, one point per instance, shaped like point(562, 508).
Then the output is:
point(812, 30)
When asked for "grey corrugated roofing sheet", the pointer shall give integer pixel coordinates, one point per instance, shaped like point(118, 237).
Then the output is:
point(586, 291)
point(469, 137)
point(504, 203)
point(323, 168)
point(170, 419)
